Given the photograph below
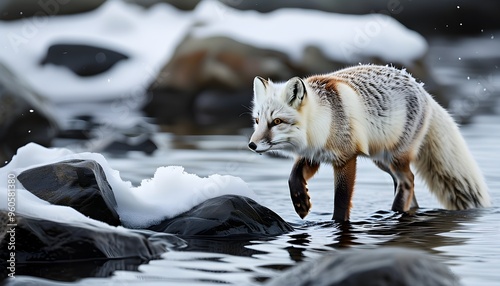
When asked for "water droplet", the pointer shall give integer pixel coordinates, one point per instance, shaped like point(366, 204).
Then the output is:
point(468, 77)
point(439, 58)
point(29, 131)
point(109, 80)
point(492, 37)
point(482, 30)
point(31, 111)
point(458, 7)
point(484, 89)
point(460, 24)
point(459, 58)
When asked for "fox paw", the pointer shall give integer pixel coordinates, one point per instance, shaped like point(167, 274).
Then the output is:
point(301, 202)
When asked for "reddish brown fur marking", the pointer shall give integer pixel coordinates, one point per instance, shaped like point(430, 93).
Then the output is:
point(302, 171)
point(345, 177)
point(329, 83)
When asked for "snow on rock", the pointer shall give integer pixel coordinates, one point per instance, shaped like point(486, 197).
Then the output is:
point(170, 192)
point(148, 36)
point(346, 38)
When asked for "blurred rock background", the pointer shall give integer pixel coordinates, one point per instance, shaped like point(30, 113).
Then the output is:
point(158, 64)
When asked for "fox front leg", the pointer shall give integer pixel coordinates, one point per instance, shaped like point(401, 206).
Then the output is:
point(302, 171)
point(345, 176)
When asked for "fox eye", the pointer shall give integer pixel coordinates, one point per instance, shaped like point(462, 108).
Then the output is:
point(256, 120)
point(277, 121)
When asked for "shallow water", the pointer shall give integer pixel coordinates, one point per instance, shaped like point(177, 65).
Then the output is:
point(467, 241)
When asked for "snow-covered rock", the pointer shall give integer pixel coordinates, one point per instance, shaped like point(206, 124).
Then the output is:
point(345, 38)
point(147, 36)
point(170, 192)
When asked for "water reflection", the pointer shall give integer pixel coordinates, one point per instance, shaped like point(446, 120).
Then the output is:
point(223, 246)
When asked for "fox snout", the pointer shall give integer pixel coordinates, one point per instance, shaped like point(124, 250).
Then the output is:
point(258, 147)
point(252, 146)
point(260, 141)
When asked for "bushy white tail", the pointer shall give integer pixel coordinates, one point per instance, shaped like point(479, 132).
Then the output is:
point(447, 166)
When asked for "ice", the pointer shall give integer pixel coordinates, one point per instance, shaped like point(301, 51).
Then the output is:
point(170, 192)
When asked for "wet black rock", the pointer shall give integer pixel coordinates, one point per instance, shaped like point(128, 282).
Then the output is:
point(226, 216)
point(83, 60)
point(384, 266)
point(80, 184)
point(40, 241)
point(24, 116)
point(14, 9)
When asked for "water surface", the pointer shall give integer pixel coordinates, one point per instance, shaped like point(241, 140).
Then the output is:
point(467, 241)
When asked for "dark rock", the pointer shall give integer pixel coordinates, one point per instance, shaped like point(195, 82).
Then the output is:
point(221, 63)
point(226, 216)
point(383, 266)
point(14, 9)
point(215, 108)
point(179, 4)
point(124, 144)
point(105, 136)
point(74, 270)
point(83, 60)
point(39, 241)
point(24, 116)
point(80, 184)
point(219, 67)
point(138, 137)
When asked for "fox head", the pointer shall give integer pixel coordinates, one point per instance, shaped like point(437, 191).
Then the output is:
point(278, 115)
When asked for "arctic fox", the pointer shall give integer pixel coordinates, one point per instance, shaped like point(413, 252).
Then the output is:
point(374, 111)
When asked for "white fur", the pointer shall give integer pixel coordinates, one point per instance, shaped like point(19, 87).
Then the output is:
point(395, 119)
point(444, 146)
point(355, 111)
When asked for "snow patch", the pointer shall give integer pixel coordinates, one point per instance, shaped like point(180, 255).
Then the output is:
point(170, 192)
point(342, 37)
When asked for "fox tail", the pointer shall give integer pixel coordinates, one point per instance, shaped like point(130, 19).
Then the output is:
point(447, 167)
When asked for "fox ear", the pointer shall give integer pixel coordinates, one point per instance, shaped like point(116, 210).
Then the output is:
point(295, 92)
point(259, 87)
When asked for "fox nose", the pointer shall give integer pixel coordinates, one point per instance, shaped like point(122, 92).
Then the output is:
point(252, 145)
